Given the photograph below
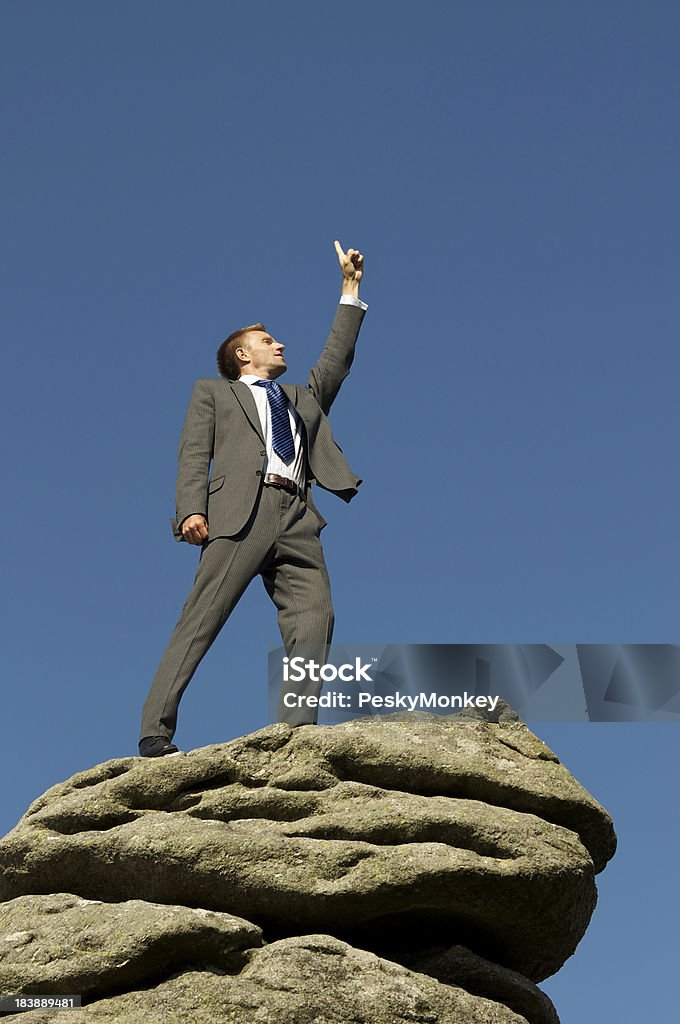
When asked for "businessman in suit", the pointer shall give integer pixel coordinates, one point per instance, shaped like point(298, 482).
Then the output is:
point(254, 515)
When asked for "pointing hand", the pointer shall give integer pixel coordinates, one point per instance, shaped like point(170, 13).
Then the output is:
point(351, 262)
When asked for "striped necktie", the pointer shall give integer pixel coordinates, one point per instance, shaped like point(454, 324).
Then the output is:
point(282, 437)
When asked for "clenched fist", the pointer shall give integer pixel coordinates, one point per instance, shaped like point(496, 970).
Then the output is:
point(195, 529)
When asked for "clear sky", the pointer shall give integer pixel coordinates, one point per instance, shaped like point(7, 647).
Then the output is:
point(510, 171)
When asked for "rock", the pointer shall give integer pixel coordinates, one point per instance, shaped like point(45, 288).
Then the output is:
point(459, 966)
point(78, 946)
point(500, 763)
point(418, 868)
point(310, 979)
point(439, 830)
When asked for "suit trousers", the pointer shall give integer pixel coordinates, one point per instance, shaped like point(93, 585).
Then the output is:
point(280, 542)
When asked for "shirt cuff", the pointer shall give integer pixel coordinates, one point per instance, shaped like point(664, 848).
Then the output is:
point(349, 300)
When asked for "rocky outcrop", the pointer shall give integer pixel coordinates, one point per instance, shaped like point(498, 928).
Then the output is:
point(443, 864)
point(311, 979)
point(457, 965)
point(63, 943)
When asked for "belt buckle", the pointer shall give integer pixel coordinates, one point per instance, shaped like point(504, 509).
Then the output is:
point(276, 480)
point(285, 483)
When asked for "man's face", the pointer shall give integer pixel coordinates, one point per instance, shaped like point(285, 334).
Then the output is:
point(264, 353)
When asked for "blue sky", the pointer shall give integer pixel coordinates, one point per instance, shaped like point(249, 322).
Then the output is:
point(510, 172)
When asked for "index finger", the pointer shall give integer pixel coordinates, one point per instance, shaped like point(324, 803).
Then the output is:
point(338, 249)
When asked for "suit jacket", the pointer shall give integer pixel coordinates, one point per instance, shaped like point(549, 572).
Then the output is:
point(222, 424)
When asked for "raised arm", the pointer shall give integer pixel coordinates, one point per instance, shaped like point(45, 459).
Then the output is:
point(334, 363)
point(193, 458)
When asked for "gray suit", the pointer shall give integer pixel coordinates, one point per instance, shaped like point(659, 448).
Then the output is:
point(255, 529)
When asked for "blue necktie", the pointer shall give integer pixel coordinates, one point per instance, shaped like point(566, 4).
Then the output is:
point(282, 438)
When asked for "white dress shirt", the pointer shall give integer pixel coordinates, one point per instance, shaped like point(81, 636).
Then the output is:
point(294, 470)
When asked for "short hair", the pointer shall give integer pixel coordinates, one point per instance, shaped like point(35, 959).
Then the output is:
point(227, 363)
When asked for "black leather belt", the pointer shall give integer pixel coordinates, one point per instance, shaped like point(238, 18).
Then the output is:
point(284, 482)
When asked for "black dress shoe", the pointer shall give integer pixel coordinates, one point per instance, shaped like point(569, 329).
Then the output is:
point(156, 746)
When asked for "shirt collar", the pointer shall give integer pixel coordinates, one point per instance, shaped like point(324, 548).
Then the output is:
point(250, 378)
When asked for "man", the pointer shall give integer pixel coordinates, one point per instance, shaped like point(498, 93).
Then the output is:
point(255, 515)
